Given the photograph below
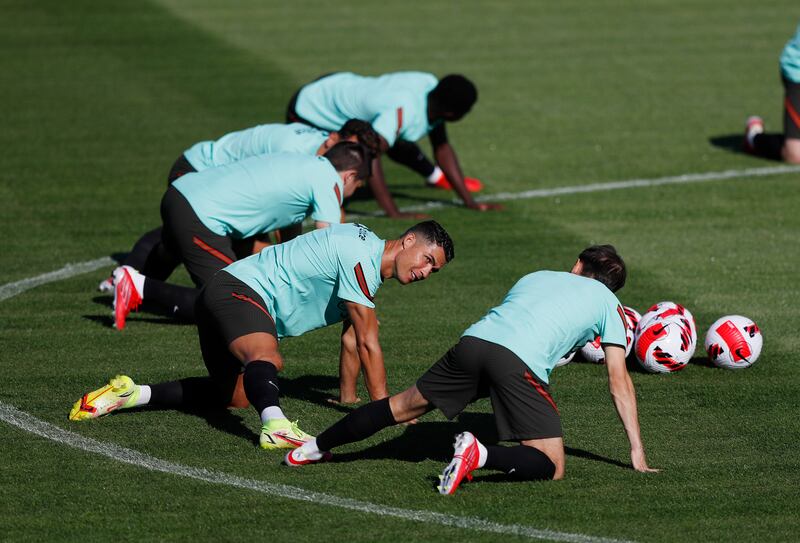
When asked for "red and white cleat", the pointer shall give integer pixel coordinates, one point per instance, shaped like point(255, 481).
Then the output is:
point(106, 286)
point(297, 457)
point(465, 461)
point(753, 127)
point(472, 184)
point(126, 296)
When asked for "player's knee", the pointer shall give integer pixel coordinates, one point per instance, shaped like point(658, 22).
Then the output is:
point(266, 358)
point(791, 151)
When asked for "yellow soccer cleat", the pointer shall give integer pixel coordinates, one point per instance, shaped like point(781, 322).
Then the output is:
point(282, 434)
point(119, 393)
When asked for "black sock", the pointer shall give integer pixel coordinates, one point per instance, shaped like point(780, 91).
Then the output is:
point(176, 300)
point(141, 249)
point(768, 146)
point(261, 385)
point(521, 462)
point(410, 155)
point(192, 392)
point(160, 263)
point(358, 425)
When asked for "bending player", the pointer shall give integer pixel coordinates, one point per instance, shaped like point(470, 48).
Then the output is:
point(508, 355)
point(320, 278)
point(785, 146)
point(264, 139)
point(205, 212)
point(402, 108)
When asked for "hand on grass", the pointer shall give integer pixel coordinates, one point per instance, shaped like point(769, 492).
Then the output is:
point(640, 462)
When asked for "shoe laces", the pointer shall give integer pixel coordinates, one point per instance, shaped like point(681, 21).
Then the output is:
point(296, 429)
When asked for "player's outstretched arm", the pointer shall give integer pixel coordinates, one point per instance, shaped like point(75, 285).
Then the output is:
point(624, 396)
point(377, 184)
point(447, 160)
point(365, 326)
point(349, 366)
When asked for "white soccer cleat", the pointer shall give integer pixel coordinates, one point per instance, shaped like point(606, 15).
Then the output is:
point(465, 461)
point(106, 286)
point(753, 127)
point(298, 457)
point(126, 296)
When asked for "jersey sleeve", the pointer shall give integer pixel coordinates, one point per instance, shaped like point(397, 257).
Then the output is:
point(614, 325)
point(357, 281)
point(327, 204)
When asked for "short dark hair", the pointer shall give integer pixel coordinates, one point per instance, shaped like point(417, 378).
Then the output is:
point(364, 132)
point(347, 155)
point(602, 262)
point(433, 232)
point(454, 94)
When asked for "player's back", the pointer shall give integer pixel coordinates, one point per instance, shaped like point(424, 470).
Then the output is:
point(546, 314)
point(790, 58)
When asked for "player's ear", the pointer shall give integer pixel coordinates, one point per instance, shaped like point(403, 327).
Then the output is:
point(409, 240)
point(577, 268)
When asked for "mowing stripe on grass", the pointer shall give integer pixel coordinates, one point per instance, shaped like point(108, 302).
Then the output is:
point(612, 185)
point(31, 424)
point(70, 270)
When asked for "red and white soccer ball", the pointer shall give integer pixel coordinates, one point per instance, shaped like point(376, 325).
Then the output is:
point(593, 351)
point(734, 342)
point(665, 345)
point(663, 310)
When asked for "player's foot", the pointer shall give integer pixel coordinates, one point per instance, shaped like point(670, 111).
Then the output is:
point(472, 184)
point(465, 461)
point(298, 457)
point(119, 393)
point(282, 434)
point(753, 127)
point(106, 286)
point(127, 296)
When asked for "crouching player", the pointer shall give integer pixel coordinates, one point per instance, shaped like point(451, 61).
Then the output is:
point(508, 355)
point(315, 280)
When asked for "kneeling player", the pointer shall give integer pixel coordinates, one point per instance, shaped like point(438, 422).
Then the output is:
point(320, 278)
point(508, 355)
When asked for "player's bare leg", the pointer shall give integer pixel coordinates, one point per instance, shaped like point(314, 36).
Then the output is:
point(553, 447)
point(791, 150)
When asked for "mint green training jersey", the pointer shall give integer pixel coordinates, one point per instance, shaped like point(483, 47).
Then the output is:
point(264, 139)
point(790, 58)
point(396, 104)
point(264, 193)
point(305, 282)
point(548, 314)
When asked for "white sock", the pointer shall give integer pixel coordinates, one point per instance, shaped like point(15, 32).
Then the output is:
point(482, 454)
point(310, 450)
point(144, 395)
point(434, 177)
point(270, 413)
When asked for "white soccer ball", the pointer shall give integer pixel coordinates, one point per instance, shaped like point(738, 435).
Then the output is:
point(593, 352)
point(734, 342)
point(664, 345)
point(663, 310)
point(564, 360)
point(633, 317)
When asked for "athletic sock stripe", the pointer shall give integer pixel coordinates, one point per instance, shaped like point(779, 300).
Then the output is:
point(210, 250)
point(540, 389)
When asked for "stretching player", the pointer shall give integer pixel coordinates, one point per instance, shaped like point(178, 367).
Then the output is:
point(402, 108)
point(508, 355)
point(204, 212)
point(320, 278)
point(265, 139)
point(784, 146)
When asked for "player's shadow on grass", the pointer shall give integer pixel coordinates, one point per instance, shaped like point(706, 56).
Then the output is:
point(158, 314)
point(729, 142)
point(317, 389)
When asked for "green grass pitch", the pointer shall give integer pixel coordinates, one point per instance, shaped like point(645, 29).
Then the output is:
point(99, 98)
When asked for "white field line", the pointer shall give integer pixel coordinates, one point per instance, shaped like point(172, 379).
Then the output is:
point(29, 423)
point(70, 270)
point(613, 185)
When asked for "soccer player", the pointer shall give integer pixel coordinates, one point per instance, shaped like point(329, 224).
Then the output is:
point(508, 355)
point(321, 278)
point(784, 146)
point(402, 108)
point(204, 212)
point(265, 139)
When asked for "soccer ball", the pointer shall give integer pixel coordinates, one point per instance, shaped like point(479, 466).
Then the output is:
point(564, 360)
point(593, 351)
point(733, 342)
point(665, 345)
point(663, 310)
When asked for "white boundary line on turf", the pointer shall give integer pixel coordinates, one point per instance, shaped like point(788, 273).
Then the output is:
point(46, 430)
point(614, 185)
point(29, 423)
